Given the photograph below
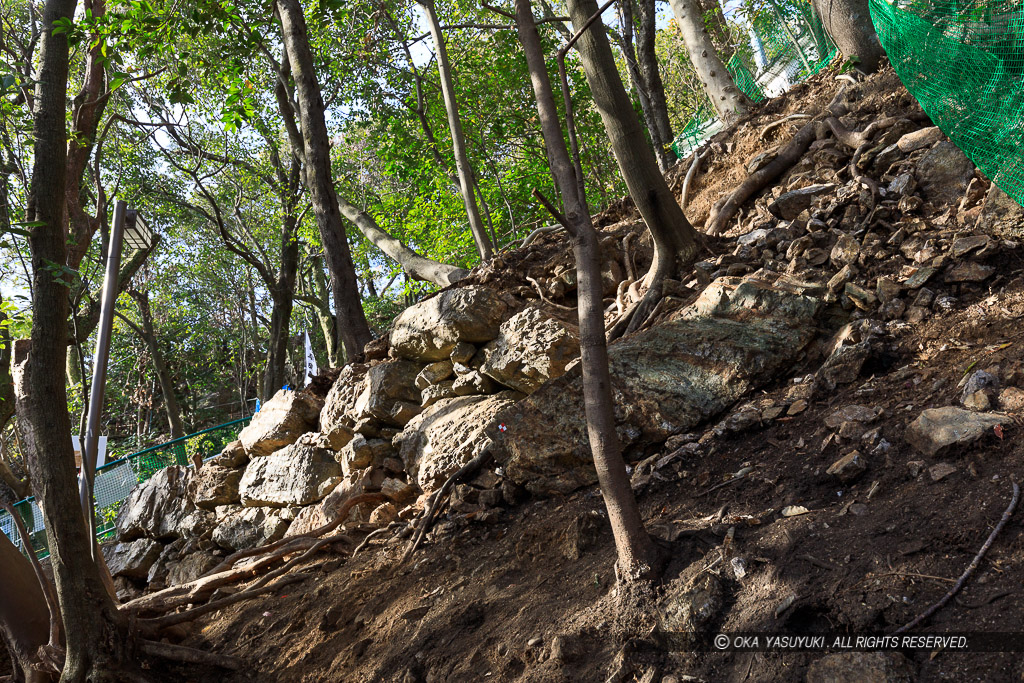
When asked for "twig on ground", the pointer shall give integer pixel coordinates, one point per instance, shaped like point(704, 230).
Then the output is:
point(698, 157)
point(971, 568)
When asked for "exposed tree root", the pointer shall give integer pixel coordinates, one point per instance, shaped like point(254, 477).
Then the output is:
point(698, 157)
point(529, 239)
point(725, 209)
point(376, 533)
point(470, 468)
point(549, 302)
point(188, 655)
point(775, 124)
point(49, 592)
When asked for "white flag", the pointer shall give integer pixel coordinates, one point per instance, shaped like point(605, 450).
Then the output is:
point(311, 370)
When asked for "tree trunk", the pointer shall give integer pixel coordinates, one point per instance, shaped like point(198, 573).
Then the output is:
point(96, 634)
point(352, 326)
point(713, 15)
point(848, 22)
point(727, 99)
point(636, 551)
point(451, 105)
point(418, 267)
point(24, 617)
point(647, 60)
point(6, 383)
point(813, 21)
point(277, 347)
point(674, 238)
point(163, 376)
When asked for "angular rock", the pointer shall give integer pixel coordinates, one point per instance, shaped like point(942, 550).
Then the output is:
point(944, 172)
point(969, 271)
point(362, 453)
point(853, 413)
point(337, 418)
point(938, 430)
point(383, 514)
point(861, 298)
point(861, 667)
point(281, 421)
point(979, 381)
point(233, 455)
point(296, 475)
point(430, 330)
point(1001, 215)
point(1011, 399)
point(434, 373)
point(473, 384)
point(530, 350)
point(191, 567)
point(158, 507)
point(462, 353)
point(441, 439)
point(941, 470)
point(845, 251)
point(789, 205)
point(239, 528)
point(214, 485)
point(920, 139)
point(665, 380)
point(847, 468)
point(133, 560)
point(435, 392)
point(390, 394)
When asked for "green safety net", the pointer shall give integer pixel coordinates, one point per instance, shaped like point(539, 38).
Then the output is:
point(964, 62)
point(115, 481)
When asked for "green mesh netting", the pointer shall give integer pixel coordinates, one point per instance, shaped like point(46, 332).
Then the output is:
point(964, 62)
point(744, 79)
point(115, 480)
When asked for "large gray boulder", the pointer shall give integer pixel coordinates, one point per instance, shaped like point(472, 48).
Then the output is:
point(295, 475)
point(158, 508)
point(429, 330)
point(337, 418)
point(214, 485)
point(239, 528)
point(944, 172)
point(738, 335)
point(441, 439)
point(281, 421)
point(531, 349)
point(133, 560)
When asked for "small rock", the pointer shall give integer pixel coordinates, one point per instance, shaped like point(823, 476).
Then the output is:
point(854, 413)
point(920, 139)
point(462, 353)
point(979, 400)
point(848, 467)
point(924, 297)
point(938, 429)
point(433, 393)
point(1011, 399)
point(534, 642)
point(434, 373)
point(966, 245)
point(920, 276)
point(687, 613)
point(797, 407)
point(915, 467)
point(941, 471)
point(794, 510)
point(383, 514)
point(861, 298)
point(845, 251)
point(887, 289)
point(789, 205)
point(739, 567)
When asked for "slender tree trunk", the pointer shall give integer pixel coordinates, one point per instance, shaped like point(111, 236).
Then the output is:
point(674, 238)
point(647, 61)
point(6, 383)
point(147, 332)
point(813, 22)
point(418, 267)
point(727, 99)
point(633, 69)
point(848, 22)
point(636, 552)
point(24, 617)
point(713, 15)
point(462, 164)
point(96, 634)
point(277, 347)
point(352, 326)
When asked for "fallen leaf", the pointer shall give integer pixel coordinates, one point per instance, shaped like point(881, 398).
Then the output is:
point(998, 429)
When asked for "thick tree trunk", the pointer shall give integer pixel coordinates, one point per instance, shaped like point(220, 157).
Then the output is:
point(647, 60)
point(352, 326)
point(727, 99)
point(848, 22)
point(636, 552)
point(277, 347)
point(418, 267)
point(96, 634)
point(674, 238)
point(462, 164)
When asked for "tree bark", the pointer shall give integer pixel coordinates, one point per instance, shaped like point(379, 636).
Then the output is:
point(674, 238)
point(727, 99)
point(147, 332)
point(848, 22)
point(647, 61)
point(6, 383)
point(352, 326)
point(418, 267)
point(636, 551)
point(96, 634)
point(451, 105)
point(24, 617)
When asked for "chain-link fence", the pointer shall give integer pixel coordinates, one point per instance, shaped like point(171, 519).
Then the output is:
point(787, 46)
point(115, 480)
point(964, 62)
